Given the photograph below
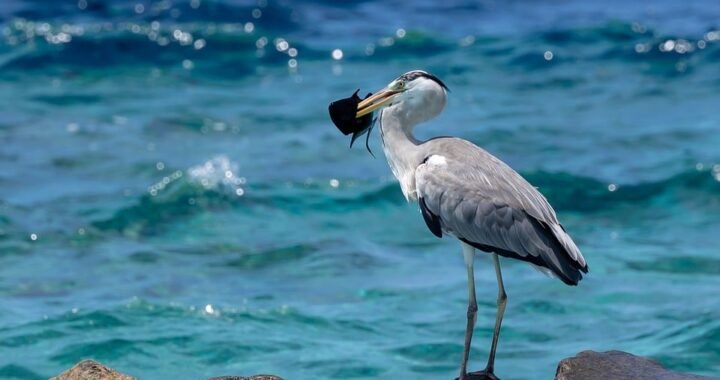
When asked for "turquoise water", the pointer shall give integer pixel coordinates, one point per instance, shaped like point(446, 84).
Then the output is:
point(175, 203)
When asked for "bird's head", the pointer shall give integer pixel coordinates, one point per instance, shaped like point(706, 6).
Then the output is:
point(418, 95)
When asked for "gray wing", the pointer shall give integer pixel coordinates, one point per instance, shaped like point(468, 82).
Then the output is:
point(482, 201)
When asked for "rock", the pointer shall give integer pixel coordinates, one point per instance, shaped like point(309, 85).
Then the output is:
point(616, 365)
point(91, 370)
point(256, 377)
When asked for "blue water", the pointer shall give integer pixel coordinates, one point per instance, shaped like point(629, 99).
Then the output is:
point(175, 203)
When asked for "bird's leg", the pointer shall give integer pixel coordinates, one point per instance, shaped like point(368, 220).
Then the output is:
point(469, 255)
point(487, 373)
point(501, 302)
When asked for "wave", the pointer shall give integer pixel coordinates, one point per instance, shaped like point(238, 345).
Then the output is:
point(410, 43)
point(216, 185)
point(273, 15)
point(216, 49)
point(689, 265)
point(212, 185)
point(225, 41)
point(585, 194)
point(659, 54)
point(134, 314)
point(225, 55)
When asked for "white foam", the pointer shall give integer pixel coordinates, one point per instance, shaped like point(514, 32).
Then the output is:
point(218, 173)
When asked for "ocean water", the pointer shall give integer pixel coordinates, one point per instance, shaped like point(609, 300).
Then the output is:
point(175, 202)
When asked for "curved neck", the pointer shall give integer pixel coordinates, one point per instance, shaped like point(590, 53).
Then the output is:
point(401, 148)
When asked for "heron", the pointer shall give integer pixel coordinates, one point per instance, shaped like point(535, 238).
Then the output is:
point(465, 192)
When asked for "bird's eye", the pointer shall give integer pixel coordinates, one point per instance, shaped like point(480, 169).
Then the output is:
point(398, 85)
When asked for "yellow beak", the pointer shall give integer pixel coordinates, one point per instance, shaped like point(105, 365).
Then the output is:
point(374, 102)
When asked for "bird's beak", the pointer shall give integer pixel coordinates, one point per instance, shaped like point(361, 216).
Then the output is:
point(376, 101)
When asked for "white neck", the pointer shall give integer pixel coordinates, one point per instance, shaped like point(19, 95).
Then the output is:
point(401, 149)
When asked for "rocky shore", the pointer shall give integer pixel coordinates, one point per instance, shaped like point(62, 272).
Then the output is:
point(617, 365)
point(586, 365)
point(92, 370)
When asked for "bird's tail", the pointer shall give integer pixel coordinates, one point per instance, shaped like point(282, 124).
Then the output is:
point(569, 263)
point(567, 242)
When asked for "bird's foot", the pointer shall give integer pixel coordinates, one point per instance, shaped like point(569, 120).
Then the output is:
point(480, 375)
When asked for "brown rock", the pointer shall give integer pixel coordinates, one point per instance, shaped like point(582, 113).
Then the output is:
point(91, 370)
point(616, 365)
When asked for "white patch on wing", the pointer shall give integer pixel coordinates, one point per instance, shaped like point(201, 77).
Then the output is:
point(437, 160)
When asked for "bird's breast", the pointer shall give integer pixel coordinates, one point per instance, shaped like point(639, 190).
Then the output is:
point(401, 151)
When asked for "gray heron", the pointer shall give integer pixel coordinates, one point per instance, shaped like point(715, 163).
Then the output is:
point(466, 192)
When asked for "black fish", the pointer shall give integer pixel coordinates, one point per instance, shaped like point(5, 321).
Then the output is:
point(342, 114)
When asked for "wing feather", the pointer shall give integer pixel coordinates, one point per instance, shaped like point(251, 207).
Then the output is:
point(482, 201)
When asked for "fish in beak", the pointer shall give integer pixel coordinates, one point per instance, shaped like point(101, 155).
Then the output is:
point(355, 115)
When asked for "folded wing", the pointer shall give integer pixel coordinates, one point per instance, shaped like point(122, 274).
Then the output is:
point(471, 194)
